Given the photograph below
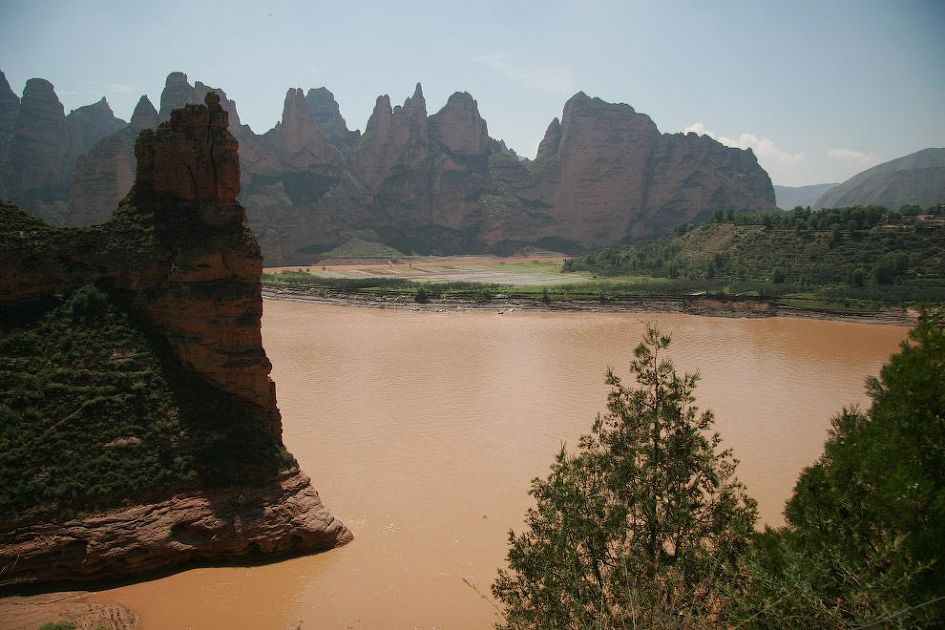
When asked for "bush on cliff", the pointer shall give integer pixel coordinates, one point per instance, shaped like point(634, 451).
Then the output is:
point(94, 413)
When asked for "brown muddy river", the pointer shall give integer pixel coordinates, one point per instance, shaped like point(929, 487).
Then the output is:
point(421, 431)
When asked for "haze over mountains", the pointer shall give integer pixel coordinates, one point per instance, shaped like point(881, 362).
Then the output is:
point(425, 183)
point(914, 179)
point(789, 197)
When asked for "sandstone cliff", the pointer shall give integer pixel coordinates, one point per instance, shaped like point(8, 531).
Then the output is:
point(175, 274)
point(439, 184)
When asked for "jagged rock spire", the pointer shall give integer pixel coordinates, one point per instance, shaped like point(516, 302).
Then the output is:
point(192, 157)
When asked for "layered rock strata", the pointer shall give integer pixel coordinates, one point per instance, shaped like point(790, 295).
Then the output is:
point(180, 255)
point(239, 522)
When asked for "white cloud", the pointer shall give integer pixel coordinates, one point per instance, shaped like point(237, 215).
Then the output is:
point(698, 128)
point(117, 88)
point(552, 79)
point(765, 149)
point(854, 158)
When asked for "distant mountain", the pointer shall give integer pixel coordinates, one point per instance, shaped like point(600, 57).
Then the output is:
point(789, 197)
point(915, 179)
point(40, 146)
point(419, 182)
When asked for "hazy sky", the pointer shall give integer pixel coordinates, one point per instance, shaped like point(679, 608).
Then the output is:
point(819, 89)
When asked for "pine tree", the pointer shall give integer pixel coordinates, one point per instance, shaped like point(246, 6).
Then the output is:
point(638, 527)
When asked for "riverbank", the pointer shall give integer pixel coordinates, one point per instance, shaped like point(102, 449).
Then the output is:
point(73, 609)
point(691, 305)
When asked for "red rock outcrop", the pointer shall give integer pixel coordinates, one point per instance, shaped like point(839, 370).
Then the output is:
point(459, 127)
point(102, 177)
point(597, 177)
point(178, 92)
point(550, 142)
point(296, 143)
point(193, 159)
point(238, 522)
point(609, 174)
point(397, 138)
point(180, 254)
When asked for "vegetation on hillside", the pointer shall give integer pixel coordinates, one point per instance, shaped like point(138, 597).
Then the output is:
point(848, 260)
point(95, 411)
point(865, 253)
point(644, 527)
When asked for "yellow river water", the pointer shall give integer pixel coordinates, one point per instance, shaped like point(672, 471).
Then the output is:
point(421, 431)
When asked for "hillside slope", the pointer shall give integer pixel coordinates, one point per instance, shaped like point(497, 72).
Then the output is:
point(915, 179)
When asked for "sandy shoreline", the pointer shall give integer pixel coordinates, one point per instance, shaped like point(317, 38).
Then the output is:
point(709, 307)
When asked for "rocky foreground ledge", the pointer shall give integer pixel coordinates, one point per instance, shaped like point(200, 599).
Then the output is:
point(245, 522)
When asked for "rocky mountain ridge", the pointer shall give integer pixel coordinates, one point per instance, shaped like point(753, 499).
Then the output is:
point(438, 183)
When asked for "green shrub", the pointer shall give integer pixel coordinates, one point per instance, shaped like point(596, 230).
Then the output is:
point(639, 527)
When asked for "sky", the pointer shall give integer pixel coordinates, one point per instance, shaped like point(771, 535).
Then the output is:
point(819, 90)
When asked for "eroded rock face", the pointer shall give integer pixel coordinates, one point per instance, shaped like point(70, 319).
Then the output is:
point(297, 141)
point(181, 256)
point(459, 127)
point(327, 113)
point(236, 523)
point(439, 184)
point(608, 174)
point(178, 92)
point(395, 138)
point(193, 159)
